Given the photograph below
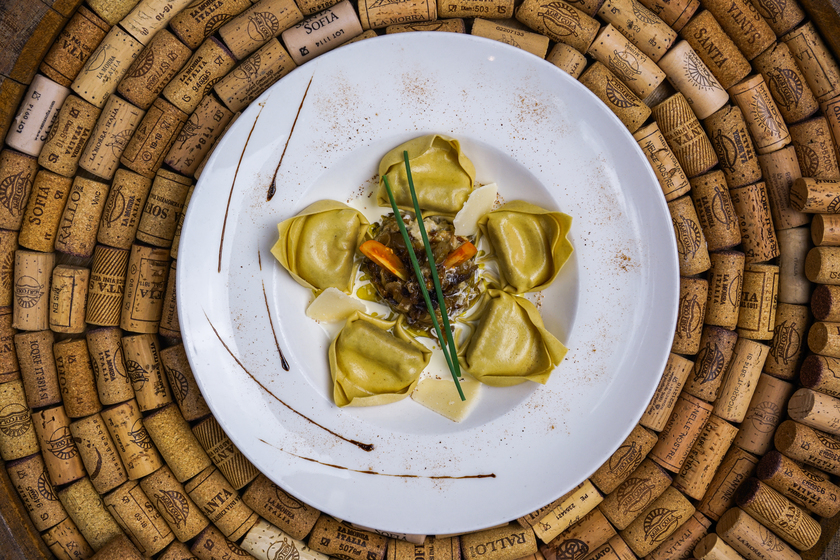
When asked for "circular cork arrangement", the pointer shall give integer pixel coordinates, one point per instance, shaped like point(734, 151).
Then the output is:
point(109, 109)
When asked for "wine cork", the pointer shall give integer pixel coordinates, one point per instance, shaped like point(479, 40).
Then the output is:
point(657, 522)
point(494, 9)
point(825, 230)
point(716, 49)
point(112, 383)
point(831, 110)
point(825, 303)
point(203, 127)
point(201, 165)
point(815, 195)
point(665, 166)
point(765, 122)
point(743, 24)
point(9, 366)
point(725, 284)
point(36, 114)
point(714, 211)
point(573, 506)
point(824, 338)
point(817, 410)
point(17, 173)
point(107, 281)
point(231, 462)
point(66, 542)
point(179, 448)
point(817, 373)
point(32, 283)
point(68, 293)
point(815, 148)
point(106, 67)
point(626, 61)
point(806, 445)
point(112, 11)
point(163, 208)
point(175, 506)
point(79, 222)
point(52, 426)
point(98, 453)
point(87, 511)
point(664, 398)
point(117, 123)
point(17, 432)
point(764, 414)
point(642, 27)
point(153, 69)
point(737, 465)
point(641, 488)
point(260, 23)
point(144, 288)
point(786, 350)
point(705, 457)
point(683, 540)
point(589, 533)
point(716, 350)
point(69, 134)
point(119, 548)
point(787, 85)
point(211, 544)
point(8, 246)
point(733, 146)
point(149, 18)
point(690, 314)
point(567, 58)
point(44, 210)
point(757, 234)
point(794, 286)
point(786, 476)
point(560, 22)
point(326, 30)
point(778, 514)
point(121, 215)
point(169, 325)
point(185, 390)
point(373, 15)
point(208, 65)
point(264, 540)
point(624, 461)
point(154, 137)
point(533, 43)
point(815, 61)
point(139, 518)
point(473, 545)
point(309, 7)
point(712, 547)
point(73, 46)
point(780, 169)
point(138, 453)
point(685, 135)
point(739, 383)
point(222, 504)
point(690, 76)
point(681, 432)
point(75, 376)
point(617, 96)
point(822, 265)
point(203, 17)
point(142, 359)
point(37, 364)
point(32, 482)
point(254, 75)
point(614, 549)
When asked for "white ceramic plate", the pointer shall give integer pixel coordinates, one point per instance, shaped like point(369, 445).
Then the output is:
point(542, 137)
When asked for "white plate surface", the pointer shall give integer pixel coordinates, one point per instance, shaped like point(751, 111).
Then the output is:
point(542, 137)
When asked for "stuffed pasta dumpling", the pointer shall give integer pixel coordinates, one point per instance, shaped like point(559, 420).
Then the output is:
point(371, 366)
point(443, 175)
point(318, 245)
point(530, 244)
point(510, 344)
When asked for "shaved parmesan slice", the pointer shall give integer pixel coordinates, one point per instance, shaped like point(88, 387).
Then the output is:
point(441, 396)
point(333, 305)
point(479, 203)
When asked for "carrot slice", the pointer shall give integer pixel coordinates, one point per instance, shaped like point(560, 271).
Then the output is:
point(384, 256)
point(463, 253)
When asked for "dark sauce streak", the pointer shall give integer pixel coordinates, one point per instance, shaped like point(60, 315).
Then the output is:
point(441, 477)
point(360, 445)
point(230, 195)
point(283, 361)
point(272, 189)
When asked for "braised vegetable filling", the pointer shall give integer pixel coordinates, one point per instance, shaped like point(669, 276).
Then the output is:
point(389, 266)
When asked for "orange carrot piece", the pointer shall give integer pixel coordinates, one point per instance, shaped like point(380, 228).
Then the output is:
point(460, 255)
point(384, 256)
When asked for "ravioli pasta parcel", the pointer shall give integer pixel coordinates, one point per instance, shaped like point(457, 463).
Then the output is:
point(487, 261)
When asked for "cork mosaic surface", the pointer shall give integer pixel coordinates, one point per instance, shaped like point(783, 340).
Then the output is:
point(108, 110)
